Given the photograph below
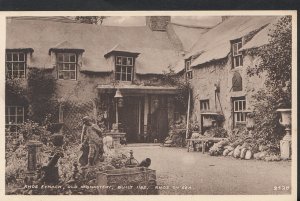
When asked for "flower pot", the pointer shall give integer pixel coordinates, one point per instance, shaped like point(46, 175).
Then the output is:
point(285, 117)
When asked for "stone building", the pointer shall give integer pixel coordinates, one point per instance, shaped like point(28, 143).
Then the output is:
point(216, 67)
point(95, 64)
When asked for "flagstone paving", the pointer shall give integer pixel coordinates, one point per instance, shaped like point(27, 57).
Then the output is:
point(182, 172)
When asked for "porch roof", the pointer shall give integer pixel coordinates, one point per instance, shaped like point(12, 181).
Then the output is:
point(138, 89)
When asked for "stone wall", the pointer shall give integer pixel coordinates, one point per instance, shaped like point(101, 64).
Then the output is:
point(220, 73)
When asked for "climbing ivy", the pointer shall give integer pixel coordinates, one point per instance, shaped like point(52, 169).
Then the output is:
point(276, 62)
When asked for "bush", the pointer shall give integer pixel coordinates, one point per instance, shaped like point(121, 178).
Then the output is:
point(216, 132)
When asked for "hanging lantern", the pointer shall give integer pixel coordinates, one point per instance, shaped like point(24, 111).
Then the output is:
point(118, 94)
point(120, 102)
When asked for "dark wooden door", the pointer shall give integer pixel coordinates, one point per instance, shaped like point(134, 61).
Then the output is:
point(130, 117)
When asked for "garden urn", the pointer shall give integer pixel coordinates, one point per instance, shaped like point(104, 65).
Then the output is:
point(285, 143)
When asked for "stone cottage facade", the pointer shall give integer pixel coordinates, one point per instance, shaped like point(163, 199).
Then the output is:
point(216, 67)
point(110, 71)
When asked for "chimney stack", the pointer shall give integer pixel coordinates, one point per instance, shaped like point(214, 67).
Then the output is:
point(158, 23)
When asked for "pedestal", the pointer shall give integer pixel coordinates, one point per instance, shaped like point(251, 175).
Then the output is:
point(33, 155)
point(116, 136)
point(286, 146)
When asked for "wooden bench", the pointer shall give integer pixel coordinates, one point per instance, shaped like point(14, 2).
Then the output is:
point(203, 141)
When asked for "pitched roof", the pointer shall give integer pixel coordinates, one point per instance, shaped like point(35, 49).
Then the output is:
point(120, 48)
point(188, 34)
point(156, 50)
point(215, 43)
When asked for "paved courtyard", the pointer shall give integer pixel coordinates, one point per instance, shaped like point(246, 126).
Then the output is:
point(197, 173)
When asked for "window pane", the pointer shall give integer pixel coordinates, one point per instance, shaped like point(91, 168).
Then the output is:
point(244, 105)
point(129, 69)
point(123, 70)
point(72, 58)
point(60, 57)
point(15, 66)
point(6, 120)
point(128, 77)
point(66, 67)
point(129, 61)
point(72, 66)
point(66, 75)
point(118, 69)
point(8, 57)
point(66, 58)
point(124, 60)
point(235, 105)
point(20, 119)
point(239, 46)
point(119, 60)
point(15, 57)
point(72, 74)
point(8, 66)
point(21, 57)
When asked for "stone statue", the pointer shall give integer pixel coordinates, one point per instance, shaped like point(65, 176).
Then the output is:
point(92, 136)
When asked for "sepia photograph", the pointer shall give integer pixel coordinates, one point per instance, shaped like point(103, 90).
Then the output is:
point(152, 104)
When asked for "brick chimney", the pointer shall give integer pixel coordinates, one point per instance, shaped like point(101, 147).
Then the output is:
point(158, 23)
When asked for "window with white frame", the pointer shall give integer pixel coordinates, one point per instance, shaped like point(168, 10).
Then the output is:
point(15, 64)
point(239, 111)
point(66, 66)
point(14, 116)
point(237, 57)
point(204, 105)
point(124, 68)
point(188, 70)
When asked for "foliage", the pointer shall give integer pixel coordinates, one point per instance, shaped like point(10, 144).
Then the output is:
point(184, 89)
point(41, 92)
point(218, 132)
point(276, 60)
point(91, 19)
point(14, 91)
point(31, 130)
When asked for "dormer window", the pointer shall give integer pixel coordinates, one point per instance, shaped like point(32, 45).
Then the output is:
point(66, 66)
point(15, 64)
point(64, 57)
point(188, 70)
point(124, 68)
point(237, 57)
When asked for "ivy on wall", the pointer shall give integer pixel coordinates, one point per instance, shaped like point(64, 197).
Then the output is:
point(41, 95)
point(276, 61)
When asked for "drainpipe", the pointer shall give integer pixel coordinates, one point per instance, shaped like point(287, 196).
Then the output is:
point(188, 116)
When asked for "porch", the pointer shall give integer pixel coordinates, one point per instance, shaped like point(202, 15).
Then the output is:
point(143, 113)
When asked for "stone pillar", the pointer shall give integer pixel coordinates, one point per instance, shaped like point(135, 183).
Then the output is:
point(33, 155)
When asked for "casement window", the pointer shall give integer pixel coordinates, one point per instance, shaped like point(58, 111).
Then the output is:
point(14, 116)
point(237, 57)
point(15, 64)
point(66, 66)
point(239, 111)
point(204, 105)
point(124, 68)
point(188, 70)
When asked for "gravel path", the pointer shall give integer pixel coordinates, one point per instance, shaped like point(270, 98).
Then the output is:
point(182, 172)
